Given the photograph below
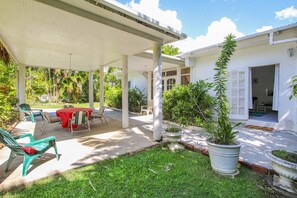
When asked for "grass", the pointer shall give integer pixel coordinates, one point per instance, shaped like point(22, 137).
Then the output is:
point(285, 155)
point(155, 172)
point(60, 105)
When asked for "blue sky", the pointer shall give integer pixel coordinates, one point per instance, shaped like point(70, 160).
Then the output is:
point(205, 20)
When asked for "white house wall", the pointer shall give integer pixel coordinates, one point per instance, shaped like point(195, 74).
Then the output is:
point(255, 57)
point(138, 80)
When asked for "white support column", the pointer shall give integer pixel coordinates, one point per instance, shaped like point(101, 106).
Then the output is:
point(125, 107)
point(101, 86)
point(178, 72)
point(22, 87)
point(91, 90)
point(149, 87)
point(157, 65)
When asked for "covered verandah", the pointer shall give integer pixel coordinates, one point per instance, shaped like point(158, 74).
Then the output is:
point(85, 36)
point(95, 34)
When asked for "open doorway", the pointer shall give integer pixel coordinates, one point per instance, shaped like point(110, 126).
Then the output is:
point(264, 93)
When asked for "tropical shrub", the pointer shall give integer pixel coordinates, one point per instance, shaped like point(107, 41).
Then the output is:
point(188, 104)
point(113, 97)
point(136, 98)
point(8, 100)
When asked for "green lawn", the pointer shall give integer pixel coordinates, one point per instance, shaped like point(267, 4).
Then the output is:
point(60, 105)
point(155, 172)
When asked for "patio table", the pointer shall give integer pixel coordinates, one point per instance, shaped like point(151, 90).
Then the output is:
point(66, 113)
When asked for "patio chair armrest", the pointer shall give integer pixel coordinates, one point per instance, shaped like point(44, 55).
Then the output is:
point(47, 139)
point(32, 139)
point(143, 107)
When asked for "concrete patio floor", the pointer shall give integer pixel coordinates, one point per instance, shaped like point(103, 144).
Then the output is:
point(108, 141)
point(103, 142)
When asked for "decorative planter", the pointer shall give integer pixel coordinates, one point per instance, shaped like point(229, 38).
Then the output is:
point(224, 158)
point(287, 172)
point(174, 138)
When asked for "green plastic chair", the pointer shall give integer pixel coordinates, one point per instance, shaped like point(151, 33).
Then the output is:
point(29, 113)
point(16, 149)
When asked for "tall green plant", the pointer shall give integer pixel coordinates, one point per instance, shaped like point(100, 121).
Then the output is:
point(222, 132)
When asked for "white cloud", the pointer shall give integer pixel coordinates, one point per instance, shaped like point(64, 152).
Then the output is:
point(263, 28)
point(287, 13)
point(151, 9)
point(217, 31)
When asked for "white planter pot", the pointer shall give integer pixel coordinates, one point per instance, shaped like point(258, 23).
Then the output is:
point(287, 172)
point(174, 138)
point(224, 158)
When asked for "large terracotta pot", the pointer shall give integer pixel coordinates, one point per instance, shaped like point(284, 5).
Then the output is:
point(287, 172)
point(224, 158)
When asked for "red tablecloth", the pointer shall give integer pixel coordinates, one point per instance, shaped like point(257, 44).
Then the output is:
point(66, 113)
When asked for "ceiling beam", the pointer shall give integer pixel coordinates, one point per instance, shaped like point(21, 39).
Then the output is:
point(164, 58)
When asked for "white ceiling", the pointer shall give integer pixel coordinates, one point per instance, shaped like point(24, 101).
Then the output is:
point(45, 32)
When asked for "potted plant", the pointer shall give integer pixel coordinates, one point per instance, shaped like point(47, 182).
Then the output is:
point(284, 163)
point(173, 135)
point(223, 149)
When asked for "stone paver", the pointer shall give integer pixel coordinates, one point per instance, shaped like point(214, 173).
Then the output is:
point(254, 143)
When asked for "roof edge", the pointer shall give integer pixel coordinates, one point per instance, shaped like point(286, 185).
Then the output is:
point(138, 17)
point(267, 32)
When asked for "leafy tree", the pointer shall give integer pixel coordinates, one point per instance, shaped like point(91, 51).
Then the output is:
point(8, 98)
point(170, 50)
point(72, 85)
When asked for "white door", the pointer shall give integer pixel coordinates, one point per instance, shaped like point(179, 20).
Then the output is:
point(237, 93)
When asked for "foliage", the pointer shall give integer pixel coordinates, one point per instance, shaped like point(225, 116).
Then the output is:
point(36, 84)
point(294, 87)
point(135, 100)
point(8, 98)
point(170, 50)
point(60, 105)
point(156, 172)
point(188, 104)
point(222, 132)
point(4, 55)
point(173, 129)
point(113, 97)
point(74, 86)
point(285, 155)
